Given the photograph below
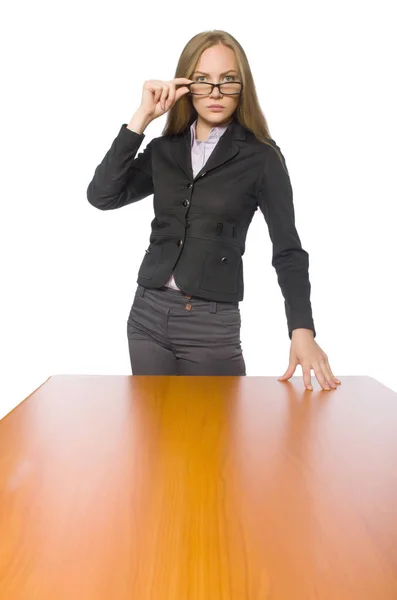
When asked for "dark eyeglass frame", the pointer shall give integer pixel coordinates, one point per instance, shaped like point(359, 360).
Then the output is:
point(218, 85)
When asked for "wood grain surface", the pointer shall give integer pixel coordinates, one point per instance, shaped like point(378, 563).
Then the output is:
point(199, 488)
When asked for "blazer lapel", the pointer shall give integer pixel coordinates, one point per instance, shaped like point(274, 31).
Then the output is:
point(226, 149)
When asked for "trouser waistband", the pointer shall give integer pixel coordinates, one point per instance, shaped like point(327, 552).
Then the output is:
point(180, 294)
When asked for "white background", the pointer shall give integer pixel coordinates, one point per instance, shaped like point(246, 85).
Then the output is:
point(72, 74)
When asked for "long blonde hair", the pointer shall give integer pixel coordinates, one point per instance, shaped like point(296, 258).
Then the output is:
point(248, 112)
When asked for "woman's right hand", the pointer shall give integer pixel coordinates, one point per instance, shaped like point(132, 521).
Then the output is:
point(159, 96)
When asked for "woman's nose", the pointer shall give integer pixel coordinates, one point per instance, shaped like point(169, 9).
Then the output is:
point(216, 93)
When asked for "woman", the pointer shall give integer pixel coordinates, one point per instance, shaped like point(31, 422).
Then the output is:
point(213, 167)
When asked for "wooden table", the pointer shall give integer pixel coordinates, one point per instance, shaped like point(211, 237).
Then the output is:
point(199, 488)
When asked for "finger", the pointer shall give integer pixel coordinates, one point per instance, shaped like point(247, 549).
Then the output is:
point(158, 87)
point(320, 376)
point(307, 377)
point(333, 376)
point(288, 373)
point(327, 374)
point(171, 95)
point(164, 95)
point(181, 91)
point(157, 93)
point(181, 80)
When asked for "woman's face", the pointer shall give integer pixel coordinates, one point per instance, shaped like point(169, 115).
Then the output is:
point(216, 65)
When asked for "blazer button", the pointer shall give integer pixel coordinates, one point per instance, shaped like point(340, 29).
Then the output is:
point(189, 186)
point(180, 242)
point(224, 259)
point(186, 202)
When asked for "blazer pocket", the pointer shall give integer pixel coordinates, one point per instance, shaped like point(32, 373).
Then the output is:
point(150, 261)
point(221, 270)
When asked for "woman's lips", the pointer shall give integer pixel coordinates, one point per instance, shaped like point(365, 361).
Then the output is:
point(215, 108)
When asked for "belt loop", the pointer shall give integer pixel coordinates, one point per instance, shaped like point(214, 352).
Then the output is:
point(213, 306)
point(142, 290)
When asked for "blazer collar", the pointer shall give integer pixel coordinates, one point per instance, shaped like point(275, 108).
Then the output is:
point(225, 149)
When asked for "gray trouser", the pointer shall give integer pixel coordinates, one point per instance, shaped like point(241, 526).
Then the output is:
point(170, 333)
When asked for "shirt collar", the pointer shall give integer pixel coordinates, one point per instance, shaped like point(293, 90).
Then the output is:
point(215, 132)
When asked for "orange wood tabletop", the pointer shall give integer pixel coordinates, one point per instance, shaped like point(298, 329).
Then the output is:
point(199, 488)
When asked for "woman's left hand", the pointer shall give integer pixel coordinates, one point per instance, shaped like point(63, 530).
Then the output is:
point(306, 352)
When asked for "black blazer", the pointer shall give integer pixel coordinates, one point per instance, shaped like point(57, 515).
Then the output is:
point(201, 222)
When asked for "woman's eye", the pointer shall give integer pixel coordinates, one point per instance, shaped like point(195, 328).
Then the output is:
point(203, 77)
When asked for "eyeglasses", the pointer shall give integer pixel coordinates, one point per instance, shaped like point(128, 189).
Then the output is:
point(201, 88)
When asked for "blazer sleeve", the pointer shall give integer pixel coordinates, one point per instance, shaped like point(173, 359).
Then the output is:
point(290, 260)
point(122, 177)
